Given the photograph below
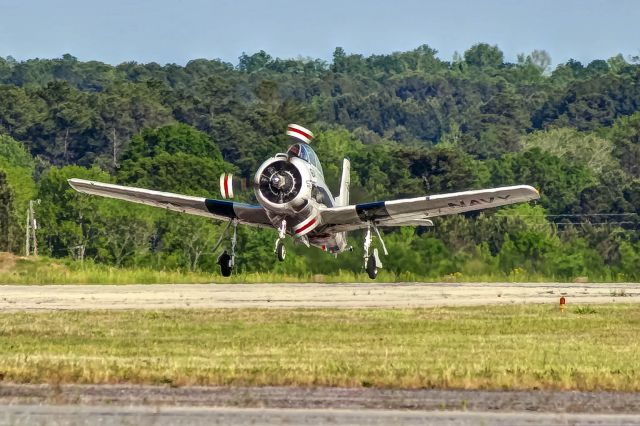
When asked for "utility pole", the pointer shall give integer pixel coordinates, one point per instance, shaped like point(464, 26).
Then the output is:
point(34, 226)
point(27, 239)
point(31, 241)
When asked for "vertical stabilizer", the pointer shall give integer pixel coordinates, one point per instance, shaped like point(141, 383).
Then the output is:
point(343, 198)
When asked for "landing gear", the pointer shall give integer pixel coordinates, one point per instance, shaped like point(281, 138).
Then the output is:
point(372, 261)
point(281, 251)
point(226, 260)
point(226, 264)
point(372, 268)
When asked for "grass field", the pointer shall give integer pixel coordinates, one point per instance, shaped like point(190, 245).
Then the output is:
point(43, 270)
point(522, 347)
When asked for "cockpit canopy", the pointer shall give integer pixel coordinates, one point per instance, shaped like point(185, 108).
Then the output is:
point(304, 152)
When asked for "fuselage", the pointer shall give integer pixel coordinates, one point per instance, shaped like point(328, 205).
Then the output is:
point(291, 187)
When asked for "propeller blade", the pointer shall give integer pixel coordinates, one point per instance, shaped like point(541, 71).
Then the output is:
point(298, 132)
point(226, 185)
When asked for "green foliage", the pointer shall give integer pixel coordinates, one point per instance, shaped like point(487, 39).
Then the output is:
point(411, 123)
point(154, 156)
point(17, 188)
point(559, 181)
point(484, 55)
point(625, 135)
point(587, 149)
point(70, 220)
point(8, 225)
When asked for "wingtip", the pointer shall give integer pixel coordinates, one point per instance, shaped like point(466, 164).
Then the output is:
point(75, 183)
point(535, 190)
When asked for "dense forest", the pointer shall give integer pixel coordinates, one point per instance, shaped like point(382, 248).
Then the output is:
point(411, 124)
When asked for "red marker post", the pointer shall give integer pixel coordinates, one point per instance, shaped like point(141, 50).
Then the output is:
point(562, 304)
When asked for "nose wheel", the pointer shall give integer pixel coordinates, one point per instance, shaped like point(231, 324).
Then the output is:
point(280, 250)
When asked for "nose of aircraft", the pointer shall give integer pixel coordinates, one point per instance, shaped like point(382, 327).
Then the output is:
point(277, 181)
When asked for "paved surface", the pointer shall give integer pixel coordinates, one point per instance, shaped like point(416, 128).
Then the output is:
point(323, 398)
point(109, 415)
point(161, 405)
point(66, 297)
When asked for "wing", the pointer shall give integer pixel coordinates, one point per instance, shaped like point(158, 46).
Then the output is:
point(418, 211)
point(216, 209)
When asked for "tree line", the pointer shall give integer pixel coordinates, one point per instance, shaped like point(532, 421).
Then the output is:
point(410, 122)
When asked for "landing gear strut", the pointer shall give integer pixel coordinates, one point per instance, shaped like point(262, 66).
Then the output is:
point(372, 261)
point(226, 260)
point(281, 251)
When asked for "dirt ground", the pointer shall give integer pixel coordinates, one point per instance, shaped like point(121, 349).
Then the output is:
point(363, 295)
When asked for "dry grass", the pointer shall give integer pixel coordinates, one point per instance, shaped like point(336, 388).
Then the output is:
point(521, 347)
point(7, 262)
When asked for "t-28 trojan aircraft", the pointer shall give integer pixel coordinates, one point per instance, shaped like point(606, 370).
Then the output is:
point(295, 200)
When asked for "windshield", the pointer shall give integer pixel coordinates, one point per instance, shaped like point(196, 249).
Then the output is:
point(305, 152)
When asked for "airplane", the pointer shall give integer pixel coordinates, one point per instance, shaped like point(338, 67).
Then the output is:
point(294, 199)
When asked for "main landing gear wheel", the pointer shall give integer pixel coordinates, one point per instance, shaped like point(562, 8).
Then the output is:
point(226, 264)
point(226, 260)
point(281, 251)
point(372, 269)
point(372, 261)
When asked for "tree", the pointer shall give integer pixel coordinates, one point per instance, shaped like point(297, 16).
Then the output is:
point(483, 55)
point(8, 226)
point(69, 221)
point(540, 59)
point(255, 62)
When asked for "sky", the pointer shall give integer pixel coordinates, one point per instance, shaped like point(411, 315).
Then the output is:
point(176, 31)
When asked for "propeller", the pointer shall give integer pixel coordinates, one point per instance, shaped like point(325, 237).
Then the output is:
point(280, 182)
point(226, 185)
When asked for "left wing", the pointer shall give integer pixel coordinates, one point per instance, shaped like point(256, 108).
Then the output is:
point(418, 211)
point(216, 209)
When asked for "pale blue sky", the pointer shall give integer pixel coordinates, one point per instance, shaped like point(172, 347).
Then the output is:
point(167, 31)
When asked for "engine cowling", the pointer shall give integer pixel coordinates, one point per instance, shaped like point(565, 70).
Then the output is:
point(283, 184)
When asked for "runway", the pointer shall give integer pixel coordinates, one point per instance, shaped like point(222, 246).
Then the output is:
point(162, 405)
point(159, 416)
point(311, 295)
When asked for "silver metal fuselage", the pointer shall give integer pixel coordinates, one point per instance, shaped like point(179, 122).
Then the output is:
point(302, 212)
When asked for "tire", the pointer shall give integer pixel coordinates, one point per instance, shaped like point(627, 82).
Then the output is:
point(372, 269)
point(225, 270)
point(225, 264)
point(281, 251)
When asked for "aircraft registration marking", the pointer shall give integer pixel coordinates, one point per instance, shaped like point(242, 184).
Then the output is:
point(475, 202)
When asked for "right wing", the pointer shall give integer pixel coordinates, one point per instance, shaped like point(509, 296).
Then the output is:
point(419, 211)
point(216, 209)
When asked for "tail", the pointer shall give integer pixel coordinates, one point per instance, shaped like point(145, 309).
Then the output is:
point(345, 181)
point(343, 200)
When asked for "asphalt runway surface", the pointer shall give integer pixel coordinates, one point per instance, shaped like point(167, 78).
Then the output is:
point(169, 416)
point(312, 295)
point(163, 405)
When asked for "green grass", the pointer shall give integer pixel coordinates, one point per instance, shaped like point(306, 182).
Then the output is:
point(43, 270)
point(521, 347)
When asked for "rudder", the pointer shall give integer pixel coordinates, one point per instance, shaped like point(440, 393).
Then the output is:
point(345, 181)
